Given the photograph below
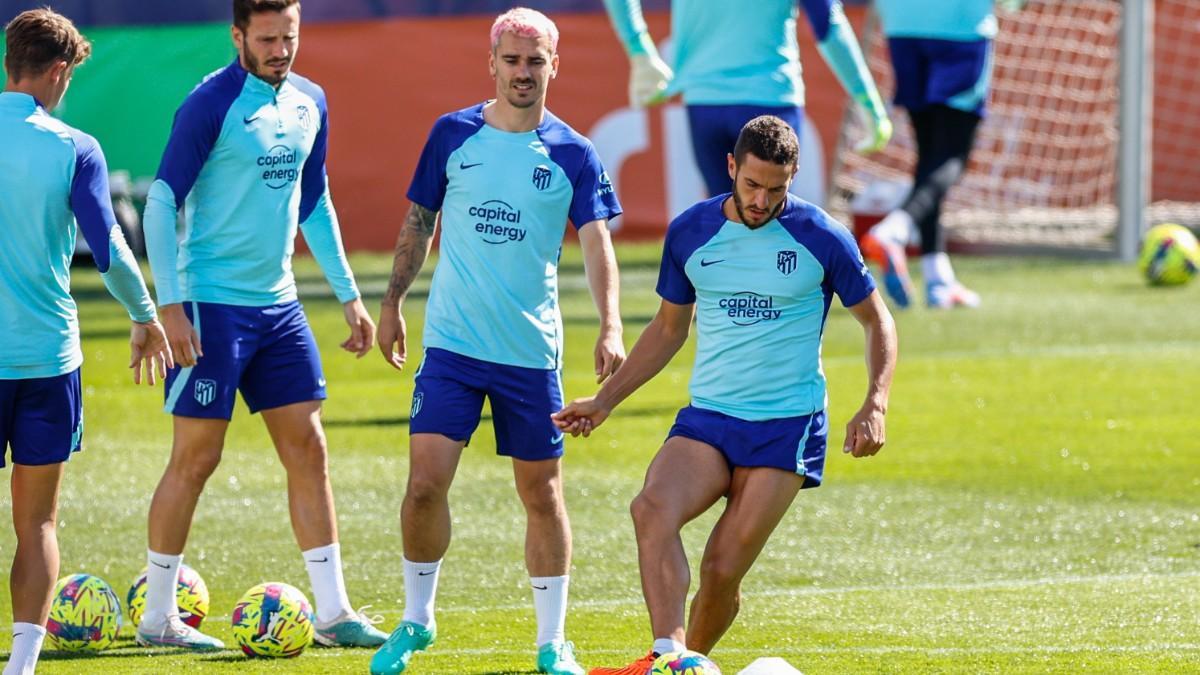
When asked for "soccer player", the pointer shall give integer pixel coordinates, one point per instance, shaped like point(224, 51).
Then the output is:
point(51, 178)
point(247, 153)
point(735, 60)
point(942, 56)
point(759, 268)
point(505, 175)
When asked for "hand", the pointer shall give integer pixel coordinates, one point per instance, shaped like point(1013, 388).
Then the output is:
point(183, 339)
point(864, 432)
point(581, 416)
point(879, 130)
point(609, 354)
point(362, 329)
point(649, 76)
point(392, 335)
point(150, 352)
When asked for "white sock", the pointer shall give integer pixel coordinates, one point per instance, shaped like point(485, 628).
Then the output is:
point(27, 644)
point(550, 606)
point(667, 646)
point(936, 267)
point(161, 579)
point(897, 227)
point(324, 565)
point(420, 588)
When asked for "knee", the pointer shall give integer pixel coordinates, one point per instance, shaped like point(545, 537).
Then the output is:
point(723, 572)
point(543, 500)
point(307, 454)
point(648, 511)
point(425, 492)
point(194, 467)
point(35, 529)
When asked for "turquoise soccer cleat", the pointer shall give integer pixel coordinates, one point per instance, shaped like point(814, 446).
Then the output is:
point(558, 658)
point(408, 639)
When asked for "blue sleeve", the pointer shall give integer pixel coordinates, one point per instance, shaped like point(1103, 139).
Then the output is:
point(194, 133)
point(92, 205)
point(313, 177)
point(845, 271)
point(428, 187)
point(630, 25)
point(594, 197)
point(673, 282)
point(90, 199)
point(819, 14)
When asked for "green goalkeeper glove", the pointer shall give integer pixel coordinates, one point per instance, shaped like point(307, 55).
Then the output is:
point(649, 77)
point(1011, 5)
point(875, 120)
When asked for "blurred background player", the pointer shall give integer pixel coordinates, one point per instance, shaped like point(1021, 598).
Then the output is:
point(941, 52)
point(506, 176)
point(51, 177)
point(247, 152)
point(735, 60)
point(758, 268)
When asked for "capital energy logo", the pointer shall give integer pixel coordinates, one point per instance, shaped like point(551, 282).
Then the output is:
point(280, 167)
point(747, 308)
point(498, 222)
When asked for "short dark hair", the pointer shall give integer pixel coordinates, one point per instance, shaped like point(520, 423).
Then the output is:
point(770, 139)
point(244, 9)
point(39, 38)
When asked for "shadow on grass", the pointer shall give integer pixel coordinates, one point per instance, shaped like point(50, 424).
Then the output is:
point(402, 420)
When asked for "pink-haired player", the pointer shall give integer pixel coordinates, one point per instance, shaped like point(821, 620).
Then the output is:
point(505, 176)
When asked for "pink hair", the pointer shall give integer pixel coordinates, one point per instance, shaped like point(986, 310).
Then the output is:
point(526, 23)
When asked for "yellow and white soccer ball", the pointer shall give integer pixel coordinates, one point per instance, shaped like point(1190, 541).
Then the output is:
point(85, 614)
point(1170, 255)
point(191, 596)
point(684, 663)
point(273, 620)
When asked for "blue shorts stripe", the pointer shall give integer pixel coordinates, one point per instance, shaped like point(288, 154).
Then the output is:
point(181, 380)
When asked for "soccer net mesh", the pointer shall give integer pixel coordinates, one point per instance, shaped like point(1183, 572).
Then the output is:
point(1044, 169)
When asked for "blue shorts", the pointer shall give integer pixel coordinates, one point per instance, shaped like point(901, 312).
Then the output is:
point(268, 353)
point(946, 72)
point(448, 400)
point(794, 444)
point(41, 419)
point(715, 130)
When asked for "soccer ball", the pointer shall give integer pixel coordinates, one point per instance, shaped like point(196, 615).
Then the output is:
point(191, 595)
point(684, 663)
point(273, 620)
point(84, 614)
point(1170, 255)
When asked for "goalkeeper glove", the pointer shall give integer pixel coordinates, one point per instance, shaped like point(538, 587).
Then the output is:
point(649, 76)
point(1011, 5)
point(874, 119)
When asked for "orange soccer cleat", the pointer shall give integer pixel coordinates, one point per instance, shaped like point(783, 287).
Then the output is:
point(640, 667)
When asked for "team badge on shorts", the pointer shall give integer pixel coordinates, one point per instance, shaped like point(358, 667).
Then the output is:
point(786, 262)
point(418, 399)
point(205, 391)
point(541, 177)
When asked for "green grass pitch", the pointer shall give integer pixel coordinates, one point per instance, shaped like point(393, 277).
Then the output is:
point(1036, 509)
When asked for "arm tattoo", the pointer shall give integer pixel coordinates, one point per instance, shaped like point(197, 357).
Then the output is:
point(411, 249)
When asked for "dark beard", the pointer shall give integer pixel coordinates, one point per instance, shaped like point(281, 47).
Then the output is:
point(253, 66)
point(737, 205)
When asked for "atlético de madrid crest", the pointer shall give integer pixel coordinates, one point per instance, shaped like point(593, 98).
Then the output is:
point(786, 262)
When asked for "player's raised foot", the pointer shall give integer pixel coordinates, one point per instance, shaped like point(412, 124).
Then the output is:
point(408, 639)
point(351, 629)
point(892, 259)
point(173, 632)
point(640, 667)
point(942, 295)
point(558, 658)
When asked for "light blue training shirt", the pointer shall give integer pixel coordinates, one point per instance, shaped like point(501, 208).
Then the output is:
point(735, 52)
point(246, 161)
point(505, 199)
point(960, 20)
point(51, 177)
point(761, 299)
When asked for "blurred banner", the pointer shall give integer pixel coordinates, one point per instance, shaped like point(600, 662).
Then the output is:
point(388, 77)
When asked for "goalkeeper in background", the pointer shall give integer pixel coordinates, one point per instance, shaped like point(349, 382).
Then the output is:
point(737, 60)
point(942, 56)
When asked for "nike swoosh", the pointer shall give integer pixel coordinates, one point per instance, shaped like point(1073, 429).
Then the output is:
point(248, 120)
point(542, 588)
point(424, 574)
point(325, 559)
point(17, 635)
point(706, 263)
point(165, 567)
point(556, 439)
point(462, 165)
